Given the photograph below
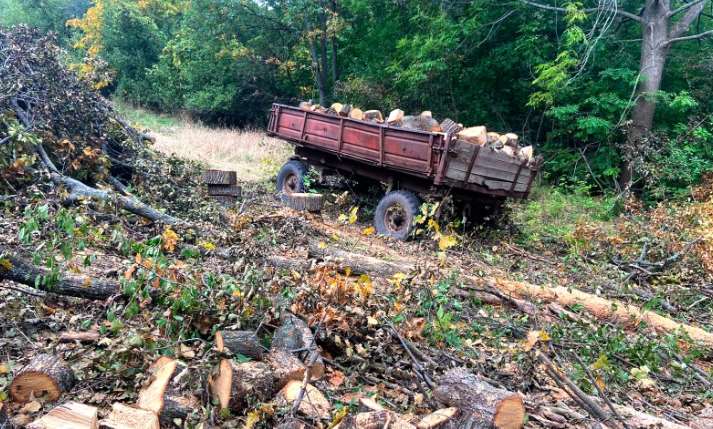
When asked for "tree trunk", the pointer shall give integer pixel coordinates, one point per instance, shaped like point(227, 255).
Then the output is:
point(318, 75)
point(479, 401)
point(296, 337)
point(44, 375)
point(233, 385)
point(285, 366)
point(70, 415)
point(69, 285)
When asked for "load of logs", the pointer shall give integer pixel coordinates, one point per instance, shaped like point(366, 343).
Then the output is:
point(507, 143)
point(286, 373)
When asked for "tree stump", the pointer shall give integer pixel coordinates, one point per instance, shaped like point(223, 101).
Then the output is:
point(162, 395)
point(72, 415)
point(236, 386)
point(285, 366)
point(479, 400)
point(125, 417)
point(245, 343)
point(219, 177)
point(44, 375)
point(304, 202)
point(295, 337)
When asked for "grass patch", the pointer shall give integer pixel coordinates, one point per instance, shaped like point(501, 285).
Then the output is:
point(142, 118)
point(551, 216)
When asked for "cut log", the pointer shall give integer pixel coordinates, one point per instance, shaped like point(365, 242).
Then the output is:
point(285, 366)
point(245, 343)
point(509, 139)
point(357, 114)
point(603, 309)
point(295, 336)
point(314, 404)
point(71, 415)
point(236, 386)
point(474, 135)
point(492, 138)
point(479, 400)
point(450, 127)
point(82, 337)
point(373, 115)
point(427, 114)
point(304, 202)
point(360, 264)
point(125, 417)
point(219, 177)
point(306, 105)
point(526, 154)
point(395, 117)
point(163, 396)
point(5, 422)
point(437, 418)
point(421, 123)
point(508, 150)
point(225, 191)
point(45, 375)
point(344, 112)
point(24, 272)
point(375, 420)
point(336, 107)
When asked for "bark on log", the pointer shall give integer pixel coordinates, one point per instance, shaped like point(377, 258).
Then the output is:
point(235, 386)
point(373, 115)
point(245, 343)
point(45, 375)
point(219, 177)
point(361, 264)
point(26, 273)
point(285, 366)
point(305, 202)
point(344, 111)
point(225, 191)
point(295, 337)
point(395, 117)
point(5, 422)
point(375, 420)
point(125, 417)
point(603, 309)
point(479, 401)
point(163, 396)
point(71, 415)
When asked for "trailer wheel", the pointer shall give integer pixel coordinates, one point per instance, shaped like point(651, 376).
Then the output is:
point(395, 214)
point(290, 179)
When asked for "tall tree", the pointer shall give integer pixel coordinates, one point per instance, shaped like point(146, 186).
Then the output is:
point(663, 23)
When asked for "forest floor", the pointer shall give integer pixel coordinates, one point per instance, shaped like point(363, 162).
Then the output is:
point(461, 304)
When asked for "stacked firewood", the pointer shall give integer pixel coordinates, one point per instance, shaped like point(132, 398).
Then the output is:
point(222, 186)
point(507, 143)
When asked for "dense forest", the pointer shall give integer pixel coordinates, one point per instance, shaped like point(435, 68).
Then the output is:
point(615, 94)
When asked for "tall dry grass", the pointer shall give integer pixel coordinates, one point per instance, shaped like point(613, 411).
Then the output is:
point(255, 156)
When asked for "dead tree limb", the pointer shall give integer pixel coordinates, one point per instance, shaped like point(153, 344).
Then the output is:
point(28, 274)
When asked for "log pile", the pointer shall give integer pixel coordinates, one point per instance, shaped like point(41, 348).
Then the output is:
point(222, 186)
point(507, 143)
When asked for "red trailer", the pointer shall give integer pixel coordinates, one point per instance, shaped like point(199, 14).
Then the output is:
point(410, 162)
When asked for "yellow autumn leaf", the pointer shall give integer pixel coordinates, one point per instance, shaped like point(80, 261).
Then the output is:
point(397, 278)
point(169, 239)
point(600, 383)
point(4, 369)
point(434, 226)
point(253, 418)
point(353, 215)
point(447, 241)
point(544, 336)
point(370, 230)
point(363, 286)
point(207, 246)
point(322, 245)
point(5, 264)
point(338, 417)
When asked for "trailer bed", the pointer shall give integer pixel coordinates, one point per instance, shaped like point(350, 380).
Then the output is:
point(438, 160)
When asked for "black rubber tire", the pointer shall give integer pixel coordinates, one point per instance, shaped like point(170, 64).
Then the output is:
point(410, 205)
point(292, 169)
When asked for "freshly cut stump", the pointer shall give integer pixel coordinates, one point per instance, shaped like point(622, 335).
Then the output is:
point(314, 404)
point(125, 417)
point(245, 343)
point(285, 367)
point(236, 386)
point(44, 375)
point(162, 396)
point(305, 202)
point(72, 415)
point(375, 420)
point(479, 400)
point(5, 422)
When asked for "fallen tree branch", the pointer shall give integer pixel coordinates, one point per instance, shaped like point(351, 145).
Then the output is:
point(24, 272)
